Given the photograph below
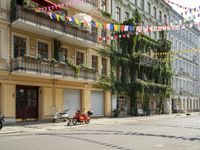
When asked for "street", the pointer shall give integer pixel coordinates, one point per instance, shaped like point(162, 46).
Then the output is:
point(178, 133)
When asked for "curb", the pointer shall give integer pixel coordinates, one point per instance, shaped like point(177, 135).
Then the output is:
point(45, 126)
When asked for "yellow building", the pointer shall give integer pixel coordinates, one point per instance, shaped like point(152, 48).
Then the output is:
point(48, 64)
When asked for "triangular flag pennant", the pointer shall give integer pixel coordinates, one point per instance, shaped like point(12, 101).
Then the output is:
point(124, 35)
point(50, 15)
point(126, 28)
point(111, 27)
point(115, 28)
point(131, 28)
point(108, 26)
point(58, 17)
point(62, 18)
point(53, 16)
point(116, 37)
point(76, 21)
point(122, 28)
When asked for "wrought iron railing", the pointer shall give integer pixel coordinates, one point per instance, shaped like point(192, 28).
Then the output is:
point(146, 60)
point(37, 66)
point(27, 14)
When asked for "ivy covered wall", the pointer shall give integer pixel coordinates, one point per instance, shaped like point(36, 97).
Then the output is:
point(137, 72)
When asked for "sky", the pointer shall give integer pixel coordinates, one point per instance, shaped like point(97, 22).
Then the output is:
point(187, 3)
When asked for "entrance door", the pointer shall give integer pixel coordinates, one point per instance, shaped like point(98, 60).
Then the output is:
point(26, 102)
point(123, 105)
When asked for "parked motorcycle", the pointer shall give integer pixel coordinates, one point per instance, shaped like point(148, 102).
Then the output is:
point(1, 121)
point(61, 116)
point(79, 117)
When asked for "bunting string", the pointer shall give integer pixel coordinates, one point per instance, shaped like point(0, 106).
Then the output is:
point(183, 7)
point(53, 7)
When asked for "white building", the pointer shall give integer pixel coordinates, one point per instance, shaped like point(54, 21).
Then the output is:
point(153, 12)
point(185, 66)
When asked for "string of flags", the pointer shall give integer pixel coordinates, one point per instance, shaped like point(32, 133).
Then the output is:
point(59, 6)
point(178, 5)
point(120, 28)
point(177, 52)
point(190, 13)
point(53, 7)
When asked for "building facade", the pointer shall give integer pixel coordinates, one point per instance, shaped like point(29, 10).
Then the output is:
point(49, 65)
point(153, 13)
point(185, 67)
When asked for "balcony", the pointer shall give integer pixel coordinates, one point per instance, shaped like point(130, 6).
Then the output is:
point(30, 21)
point(146, 60)
point(83, 5)
point(45, 68)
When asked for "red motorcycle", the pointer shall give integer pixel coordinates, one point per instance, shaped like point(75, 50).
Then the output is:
point(79, 117)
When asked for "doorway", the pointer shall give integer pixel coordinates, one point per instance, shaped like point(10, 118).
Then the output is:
point(26, 102)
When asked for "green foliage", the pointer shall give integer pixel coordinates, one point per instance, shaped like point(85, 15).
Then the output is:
point(105, 14)
point(57, 47)
point(103, 83)
point(149, 77)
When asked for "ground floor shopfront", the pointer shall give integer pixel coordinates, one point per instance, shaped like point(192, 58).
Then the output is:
point(182, 104)
point(30, 98)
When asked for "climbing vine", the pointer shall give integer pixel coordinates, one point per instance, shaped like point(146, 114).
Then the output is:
point(143, 75)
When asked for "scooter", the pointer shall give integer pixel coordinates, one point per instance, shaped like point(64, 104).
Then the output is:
point(61, 116)
point(79, 117)
point(1, 121)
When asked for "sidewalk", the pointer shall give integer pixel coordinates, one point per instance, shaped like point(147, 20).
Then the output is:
point(30, 127)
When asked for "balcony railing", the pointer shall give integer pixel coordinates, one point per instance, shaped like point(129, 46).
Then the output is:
point(40, 19)
point(146, 60)
point(49, 68)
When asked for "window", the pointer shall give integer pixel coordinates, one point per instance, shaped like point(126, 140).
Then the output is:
point(136, 2)
point(180, 46)
point(155, 12)
point(95, 62)
point(103, 5)
point(42, 50)
point(149, 8)
point(160, 16)
point(176, 45)
point(155, 35)
point(79, 58)
point(172, 40)
point(63, 54)
point(126, 15)
point(118, 14)
point(19, 46)
point(142, 4)
point(103, 35)
point(165, 18)
point(104, 66)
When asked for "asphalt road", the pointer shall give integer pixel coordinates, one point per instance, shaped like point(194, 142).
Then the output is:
point(161, 134)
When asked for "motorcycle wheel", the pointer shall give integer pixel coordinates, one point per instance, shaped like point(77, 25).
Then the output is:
point(87, 122)
point(74, 121)
point(1, 125)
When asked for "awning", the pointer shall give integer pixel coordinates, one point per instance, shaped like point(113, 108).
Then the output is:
point(44, 2)
point(84, 18)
